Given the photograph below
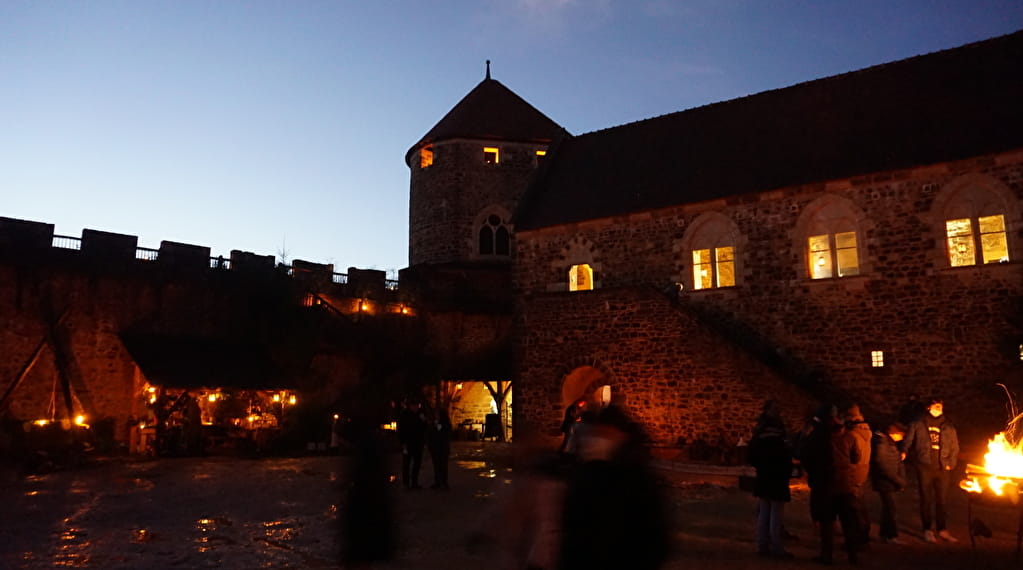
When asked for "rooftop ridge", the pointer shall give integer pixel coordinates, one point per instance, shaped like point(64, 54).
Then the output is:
point(803, 84)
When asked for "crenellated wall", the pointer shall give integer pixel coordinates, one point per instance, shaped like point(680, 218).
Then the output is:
point(312, 324)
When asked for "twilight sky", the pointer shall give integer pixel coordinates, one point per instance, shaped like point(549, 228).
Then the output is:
point(281, 127)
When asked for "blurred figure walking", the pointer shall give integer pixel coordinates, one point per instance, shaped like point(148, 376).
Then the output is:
point(613, 515)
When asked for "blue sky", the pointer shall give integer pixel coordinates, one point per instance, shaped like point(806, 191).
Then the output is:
point(281, 127)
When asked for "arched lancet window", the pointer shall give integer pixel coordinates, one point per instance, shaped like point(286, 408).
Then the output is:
point(710, 252)
point(580, 278)
point(502, 241)
point(494, 237)
point(829, 231)
point(974, 214)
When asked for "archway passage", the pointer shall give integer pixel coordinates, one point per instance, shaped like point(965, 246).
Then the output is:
point(582, 383)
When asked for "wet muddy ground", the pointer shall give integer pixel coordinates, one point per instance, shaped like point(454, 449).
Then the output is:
point(223, 512)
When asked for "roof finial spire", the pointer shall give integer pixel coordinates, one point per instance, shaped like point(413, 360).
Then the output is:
point(488, 69)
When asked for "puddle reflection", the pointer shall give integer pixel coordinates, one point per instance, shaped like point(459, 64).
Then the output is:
point(72, 549)
point(280, 531)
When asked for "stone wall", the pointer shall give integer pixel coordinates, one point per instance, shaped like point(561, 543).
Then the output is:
point(677, 378)
point(448, 197)
point(950, 331)
point(313, 348)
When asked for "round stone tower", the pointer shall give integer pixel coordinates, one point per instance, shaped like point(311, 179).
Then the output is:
point(468, 173)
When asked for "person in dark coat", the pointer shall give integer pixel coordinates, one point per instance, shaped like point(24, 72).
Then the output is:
point(932, 446)
point(828, 454)
point(770, 455)
point(912, 410)
point(612, 515)
point(888, 476)
point(368, 532)
point(412, 436)
point(572, 414)
point(859, 429)
point(438, 441)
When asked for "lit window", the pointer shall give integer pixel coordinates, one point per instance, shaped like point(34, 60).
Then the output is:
point(877, 358)
point(963, 238)
point(425, 156)
point(828, 251)
point(494, 237)
point(541, 156)
point(580, 278)
point(714, 267)
point(1021, 352)
point(491, 155)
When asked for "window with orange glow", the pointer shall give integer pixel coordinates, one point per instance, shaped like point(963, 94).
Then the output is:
point(491, 155)
point(964, 235)
point(425, 156)
point(580, 278)
point(833, 255)
point(714, 267)
point(877, 358)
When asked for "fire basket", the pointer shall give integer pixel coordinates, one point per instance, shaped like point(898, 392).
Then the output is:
point(999, 483)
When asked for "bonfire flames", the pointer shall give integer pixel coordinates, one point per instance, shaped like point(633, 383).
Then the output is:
point(1002, 470)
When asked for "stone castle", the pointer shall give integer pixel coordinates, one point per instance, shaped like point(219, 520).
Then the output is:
point(852, 238)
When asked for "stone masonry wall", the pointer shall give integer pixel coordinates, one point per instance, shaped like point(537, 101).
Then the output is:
point(671, 374)
point(103, 303)
point(949, 331)
point(447, 197)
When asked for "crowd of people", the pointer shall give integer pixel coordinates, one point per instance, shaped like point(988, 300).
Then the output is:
point(596, 502)
point(843, 458)
point(419, 426)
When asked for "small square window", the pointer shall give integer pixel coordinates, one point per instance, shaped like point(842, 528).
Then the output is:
point(877, 358)
point(491, 155)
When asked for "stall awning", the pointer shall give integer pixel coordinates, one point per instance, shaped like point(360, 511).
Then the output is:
point(194, 362)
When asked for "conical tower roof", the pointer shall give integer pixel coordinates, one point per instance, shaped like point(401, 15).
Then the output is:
point(492, 111)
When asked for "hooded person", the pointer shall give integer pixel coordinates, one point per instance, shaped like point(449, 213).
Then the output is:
point(888, 476)
point(770, 455)
point(828, 454)
point(856, 426)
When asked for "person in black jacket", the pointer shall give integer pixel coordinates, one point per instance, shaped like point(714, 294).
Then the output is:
point(438, 441)
point(888, 476)
point(932, 445)
point(412, 436)
point(770, 455)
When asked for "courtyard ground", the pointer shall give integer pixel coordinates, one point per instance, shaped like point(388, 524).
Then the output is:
point(229, 512)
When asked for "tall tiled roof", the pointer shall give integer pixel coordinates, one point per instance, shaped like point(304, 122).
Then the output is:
point(492, 111)
point(947, 105)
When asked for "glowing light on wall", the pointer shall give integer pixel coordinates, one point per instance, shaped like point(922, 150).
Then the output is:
point(877, 358)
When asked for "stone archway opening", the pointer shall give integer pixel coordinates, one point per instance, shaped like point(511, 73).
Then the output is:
point(583, 383)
